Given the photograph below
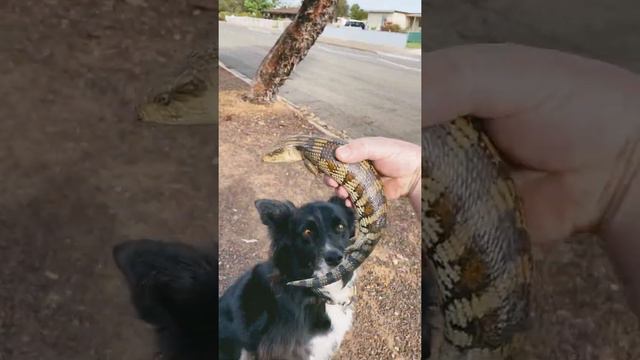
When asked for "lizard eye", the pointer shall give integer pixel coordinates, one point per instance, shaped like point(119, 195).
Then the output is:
point(340, 228)
point(163, 99)
point(307, 232)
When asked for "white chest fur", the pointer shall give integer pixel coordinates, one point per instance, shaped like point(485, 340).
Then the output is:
point(322, 347)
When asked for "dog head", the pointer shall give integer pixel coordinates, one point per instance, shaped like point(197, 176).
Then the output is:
point(307, 239)
point(172, 287)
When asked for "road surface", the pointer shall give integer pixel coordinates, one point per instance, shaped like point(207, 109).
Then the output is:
point(363, 93)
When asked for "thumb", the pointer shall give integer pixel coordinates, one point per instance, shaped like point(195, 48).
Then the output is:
point(366, 148)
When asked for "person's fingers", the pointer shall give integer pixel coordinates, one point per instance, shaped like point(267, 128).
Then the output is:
point(487, 80)
point(342, 192)
point(546, 109)
point(368, 148)
point(329, 181)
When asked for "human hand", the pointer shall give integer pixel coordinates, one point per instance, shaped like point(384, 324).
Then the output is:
point(570, 126)
point(397, 161)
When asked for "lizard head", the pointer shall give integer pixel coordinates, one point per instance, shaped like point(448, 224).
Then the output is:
point(188, 101)
point(285, 153)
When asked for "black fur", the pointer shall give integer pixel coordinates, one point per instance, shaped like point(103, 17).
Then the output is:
point(173, 287)
point(259, 312)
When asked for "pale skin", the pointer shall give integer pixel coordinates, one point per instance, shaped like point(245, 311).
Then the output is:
point(397, 162)
point(568, 125)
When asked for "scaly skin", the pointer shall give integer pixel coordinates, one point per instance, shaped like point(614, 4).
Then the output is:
point(190, 97)
point(363, 185)
point(475, 239)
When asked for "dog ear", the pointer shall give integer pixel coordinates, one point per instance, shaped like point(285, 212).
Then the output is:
point(273, 213)
point(173, 287)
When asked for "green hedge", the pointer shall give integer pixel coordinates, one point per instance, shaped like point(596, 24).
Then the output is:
point(414, 38)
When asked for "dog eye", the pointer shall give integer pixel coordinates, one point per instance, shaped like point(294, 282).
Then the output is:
point(307, 232)
point(340, 228)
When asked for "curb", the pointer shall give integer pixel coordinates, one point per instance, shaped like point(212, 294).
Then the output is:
point(304, 114)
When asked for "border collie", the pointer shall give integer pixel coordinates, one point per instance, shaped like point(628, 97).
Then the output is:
point(173, 287)
point(260, 317)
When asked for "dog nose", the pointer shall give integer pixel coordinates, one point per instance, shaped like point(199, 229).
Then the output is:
point(333, 257)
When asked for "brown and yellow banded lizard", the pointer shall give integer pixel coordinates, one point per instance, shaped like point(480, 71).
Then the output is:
point(475, 239)
point(363, 185)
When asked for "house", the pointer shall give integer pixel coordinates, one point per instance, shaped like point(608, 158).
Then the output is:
point(407, 21)
point(282, 13)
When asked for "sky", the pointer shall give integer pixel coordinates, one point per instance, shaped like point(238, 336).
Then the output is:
point(400, 5)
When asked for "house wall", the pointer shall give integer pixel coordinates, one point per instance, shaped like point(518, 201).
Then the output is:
point(400, 19)
point(375, 21)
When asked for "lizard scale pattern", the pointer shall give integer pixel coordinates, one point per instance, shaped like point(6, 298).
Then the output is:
point(363, 185)
point(475, 239)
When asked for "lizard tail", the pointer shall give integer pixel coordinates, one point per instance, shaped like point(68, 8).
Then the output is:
point(352, 261)
point(330, 277)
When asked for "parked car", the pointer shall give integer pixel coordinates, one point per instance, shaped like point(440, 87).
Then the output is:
point(355, 23)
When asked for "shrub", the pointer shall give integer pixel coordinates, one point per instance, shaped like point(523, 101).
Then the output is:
point(389, 26)
point(222, 15)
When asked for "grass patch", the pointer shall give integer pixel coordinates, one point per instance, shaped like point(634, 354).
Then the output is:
point(414, 45)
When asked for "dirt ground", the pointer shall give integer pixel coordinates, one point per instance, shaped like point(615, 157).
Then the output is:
point(388, 301)
point(80, 174)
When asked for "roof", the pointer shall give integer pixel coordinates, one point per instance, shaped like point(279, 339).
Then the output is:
point(286, 10)
point(392, 11)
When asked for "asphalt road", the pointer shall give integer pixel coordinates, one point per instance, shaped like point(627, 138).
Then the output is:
point(363, 93)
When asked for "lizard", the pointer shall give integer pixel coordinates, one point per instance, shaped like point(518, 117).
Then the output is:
point(473, 233)
point(476, 242)
point(190, 97)
point(363, 184)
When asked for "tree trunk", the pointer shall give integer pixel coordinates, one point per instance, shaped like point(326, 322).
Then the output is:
point(292, 46)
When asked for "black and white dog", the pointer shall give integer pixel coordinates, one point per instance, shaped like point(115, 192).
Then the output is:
point(260, 317)
point(173, 287)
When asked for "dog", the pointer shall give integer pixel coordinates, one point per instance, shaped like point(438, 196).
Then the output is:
point(260, 317)
point(173, 285)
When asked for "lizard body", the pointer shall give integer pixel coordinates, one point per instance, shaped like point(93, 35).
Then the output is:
point(363, 185)
point(474, 237)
